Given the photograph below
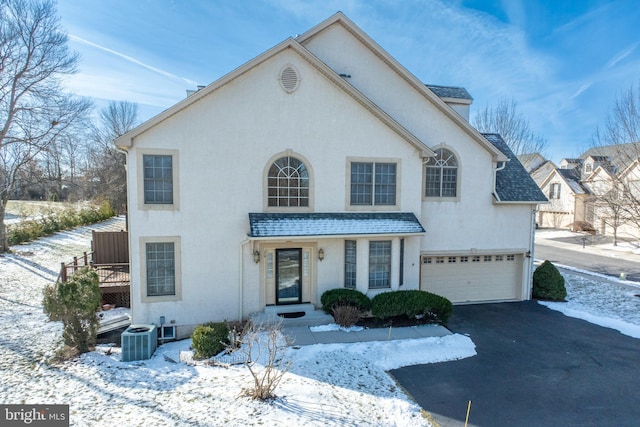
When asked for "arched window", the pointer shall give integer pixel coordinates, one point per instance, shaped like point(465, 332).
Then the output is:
point(442, 174)
point(288, 183)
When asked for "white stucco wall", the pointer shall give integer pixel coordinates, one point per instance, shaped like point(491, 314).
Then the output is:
point(225, 140)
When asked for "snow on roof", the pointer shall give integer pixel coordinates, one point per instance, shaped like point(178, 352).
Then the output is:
point(332, 224)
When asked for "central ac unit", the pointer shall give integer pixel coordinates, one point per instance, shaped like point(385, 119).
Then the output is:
point(139, 342)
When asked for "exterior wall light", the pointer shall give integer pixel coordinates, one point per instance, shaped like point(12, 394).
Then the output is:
point(256, 256)
point(321, 254)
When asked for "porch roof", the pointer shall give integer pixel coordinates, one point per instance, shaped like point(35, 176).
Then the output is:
point(333, 224)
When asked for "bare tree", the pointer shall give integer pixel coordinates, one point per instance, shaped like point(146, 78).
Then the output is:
point(622, 125)
point(108, 165)
point(617, 144)
point(34, 109)
point(514, 128)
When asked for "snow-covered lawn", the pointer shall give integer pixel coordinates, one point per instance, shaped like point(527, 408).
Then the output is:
point(328, 384)
point(611, 303)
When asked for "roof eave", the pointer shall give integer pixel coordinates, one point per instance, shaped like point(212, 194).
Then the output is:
point(332, 236)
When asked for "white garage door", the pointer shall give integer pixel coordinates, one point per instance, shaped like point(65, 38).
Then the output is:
point(473, 278)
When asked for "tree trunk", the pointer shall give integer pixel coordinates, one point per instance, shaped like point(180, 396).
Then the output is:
point(4, 238)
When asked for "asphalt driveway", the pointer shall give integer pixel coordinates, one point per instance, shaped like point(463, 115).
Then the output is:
point(534, 367)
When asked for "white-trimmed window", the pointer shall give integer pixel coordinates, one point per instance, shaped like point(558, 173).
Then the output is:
point(441, 174)
point(350, 256)
point(288, 183)
point(379, 264)
point(373, 184)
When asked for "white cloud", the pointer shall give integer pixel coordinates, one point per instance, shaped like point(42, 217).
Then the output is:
point(133, 60)
point(622, 55)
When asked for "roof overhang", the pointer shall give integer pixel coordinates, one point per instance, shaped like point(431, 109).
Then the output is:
point(269, 226)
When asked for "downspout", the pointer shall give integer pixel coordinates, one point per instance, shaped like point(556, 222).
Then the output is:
point(495, 174)
point(531, 253)
point(241, 276)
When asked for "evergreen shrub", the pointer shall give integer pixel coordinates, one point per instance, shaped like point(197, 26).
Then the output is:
point(548, 283)
point(75, 303)
point(209, 339)
point(411, 303)
point(342, 297)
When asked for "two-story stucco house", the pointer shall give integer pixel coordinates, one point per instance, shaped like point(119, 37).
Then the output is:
point(321, 163)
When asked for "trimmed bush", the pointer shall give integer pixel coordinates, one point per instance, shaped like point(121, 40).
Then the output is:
point(344, 296)
point(548, 283)
point(411, 304)
point(209, 339)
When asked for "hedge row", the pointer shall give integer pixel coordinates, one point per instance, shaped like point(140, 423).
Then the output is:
point(53, 222)
point(411, 303)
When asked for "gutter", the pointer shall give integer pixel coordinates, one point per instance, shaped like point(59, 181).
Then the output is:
point(495, 173)
point(241, 276)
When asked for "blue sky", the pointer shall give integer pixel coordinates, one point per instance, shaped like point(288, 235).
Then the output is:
point(563, 61)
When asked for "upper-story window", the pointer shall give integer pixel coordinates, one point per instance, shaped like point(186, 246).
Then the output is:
point(288, 183)
point(373, 184)
point(554, 191)
point(158, 179)
point(442, 174)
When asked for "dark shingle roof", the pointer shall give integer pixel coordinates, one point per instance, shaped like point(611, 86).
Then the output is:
point(513, 183)
point(572, 178)
point(332, 224)
point(450, 92)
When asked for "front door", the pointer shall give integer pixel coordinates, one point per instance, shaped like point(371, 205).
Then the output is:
point(288, 278)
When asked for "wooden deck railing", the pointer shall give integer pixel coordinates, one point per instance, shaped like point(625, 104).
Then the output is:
point(114, 278)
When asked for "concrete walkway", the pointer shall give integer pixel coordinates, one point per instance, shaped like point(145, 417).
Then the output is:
point(302, 335)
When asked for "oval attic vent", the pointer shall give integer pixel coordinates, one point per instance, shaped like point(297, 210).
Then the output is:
point(289, 79)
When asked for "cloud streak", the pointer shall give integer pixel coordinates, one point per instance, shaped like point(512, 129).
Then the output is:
point(621, 55)
point(133, 60)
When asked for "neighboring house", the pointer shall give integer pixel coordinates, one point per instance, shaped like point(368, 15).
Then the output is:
point(594, 189)
point(567, 199)
point(537, 166)
point(321, 163)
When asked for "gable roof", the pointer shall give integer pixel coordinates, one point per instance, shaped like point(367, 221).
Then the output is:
point(340, 19)
point(620, 155)
point(513, 183)
point(126, 140)
point(572, 178)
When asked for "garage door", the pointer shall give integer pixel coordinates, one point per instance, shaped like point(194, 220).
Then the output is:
point(473, 278)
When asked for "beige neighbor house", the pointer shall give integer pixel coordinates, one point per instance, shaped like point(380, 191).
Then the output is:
point(592, 190)
point(567, 199)
point(321, 163)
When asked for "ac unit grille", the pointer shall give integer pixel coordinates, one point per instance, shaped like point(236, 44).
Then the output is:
point(139, 342)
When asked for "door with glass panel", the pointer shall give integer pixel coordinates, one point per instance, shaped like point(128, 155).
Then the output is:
point(288, 277)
